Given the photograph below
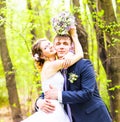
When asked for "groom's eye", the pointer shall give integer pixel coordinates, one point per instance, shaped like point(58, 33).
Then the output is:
point(58, 43)
point(65, 43)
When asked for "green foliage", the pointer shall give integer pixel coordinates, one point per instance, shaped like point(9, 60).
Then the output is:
point(111, 28)
point(19, 40)
point(87, 20)
point(3, 92)
point(114, 88)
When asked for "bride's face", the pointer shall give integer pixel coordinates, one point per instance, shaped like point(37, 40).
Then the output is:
point(47, 49)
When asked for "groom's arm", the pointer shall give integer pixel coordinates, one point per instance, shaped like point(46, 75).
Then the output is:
point(44, 104)
point(36, 102)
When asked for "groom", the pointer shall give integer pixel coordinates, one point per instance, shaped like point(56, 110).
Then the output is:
point(82, 94)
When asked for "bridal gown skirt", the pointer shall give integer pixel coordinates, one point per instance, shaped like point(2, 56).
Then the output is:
point(59, 115)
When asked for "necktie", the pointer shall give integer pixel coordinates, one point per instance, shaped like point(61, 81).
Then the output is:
point(64, 72)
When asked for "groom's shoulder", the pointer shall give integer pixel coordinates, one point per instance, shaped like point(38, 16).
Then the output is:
point(83, 64)
point(83, 61)
point(80, 65)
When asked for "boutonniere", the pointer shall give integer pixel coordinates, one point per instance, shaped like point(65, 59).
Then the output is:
point(72, 77)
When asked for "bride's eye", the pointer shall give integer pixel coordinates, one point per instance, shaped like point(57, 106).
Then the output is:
point(45, 47)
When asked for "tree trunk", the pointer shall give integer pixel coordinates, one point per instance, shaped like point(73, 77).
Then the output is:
point(118, 10)
point(99, 36)
point(32, 21)
point(82, 35)
point(113, 56)
point(9, 73)
point(33, 33)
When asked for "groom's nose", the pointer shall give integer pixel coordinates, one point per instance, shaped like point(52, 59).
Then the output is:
point(61, 46)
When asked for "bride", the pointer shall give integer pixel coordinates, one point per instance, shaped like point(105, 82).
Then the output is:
point(44, 54)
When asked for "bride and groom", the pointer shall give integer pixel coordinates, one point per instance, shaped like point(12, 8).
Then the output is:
point(81, 95)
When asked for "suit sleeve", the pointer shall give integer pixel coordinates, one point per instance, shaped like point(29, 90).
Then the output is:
point(86, 83)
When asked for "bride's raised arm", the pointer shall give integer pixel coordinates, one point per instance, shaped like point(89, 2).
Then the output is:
point(76, 46)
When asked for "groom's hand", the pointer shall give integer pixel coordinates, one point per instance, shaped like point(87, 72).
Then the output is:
point(46, 105)
point(52, 93)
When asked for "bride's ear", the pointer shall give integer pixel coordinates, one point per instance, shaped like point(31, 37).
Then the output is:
point(43, 57)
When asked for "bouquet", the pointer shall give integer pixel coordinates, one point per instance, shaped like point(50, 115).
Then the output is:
point(62, 22)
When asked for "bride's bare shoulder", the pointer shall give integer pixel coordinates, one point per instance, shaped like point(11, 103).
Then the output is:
point(47, 71)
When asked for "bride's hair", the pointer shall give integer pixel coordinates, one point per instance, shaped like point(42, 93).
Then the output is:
point(37, 53)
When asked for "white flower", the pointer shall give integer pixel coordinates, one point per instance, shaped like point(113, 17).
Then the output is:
point(63, 22)
point(72, 77)
point(36, 57)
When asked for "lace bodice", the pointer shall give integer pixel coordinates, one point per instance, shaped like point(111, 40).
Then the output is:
point(56, 80)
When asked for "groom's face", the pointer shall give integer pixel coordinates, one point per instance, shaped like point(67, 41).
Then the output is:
point(62, 46)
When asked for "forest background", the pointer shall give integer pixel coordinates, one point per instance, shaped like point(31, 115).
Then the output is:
point(22, 22)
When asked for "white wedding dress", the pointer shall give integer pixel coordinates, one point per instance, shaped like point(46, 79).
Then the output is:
point(59, 115)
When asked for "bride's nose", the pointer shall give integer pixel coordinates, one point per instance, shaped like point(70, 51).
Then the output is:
point(51, 45)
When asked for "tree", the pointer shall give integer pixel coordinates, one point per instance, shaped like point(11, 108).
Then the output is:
point(108, 36)
point(118, 10)
point(31, 20)
point(82, 35)
point(111, 32)
point(9, 70)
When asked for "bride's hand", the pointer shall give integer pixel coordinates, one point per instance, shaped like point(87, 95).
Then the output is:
point(72, 30)
point(46, 105)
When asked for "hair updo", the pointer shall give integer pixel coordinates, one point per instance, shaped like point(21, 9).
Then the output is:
point(37, 53)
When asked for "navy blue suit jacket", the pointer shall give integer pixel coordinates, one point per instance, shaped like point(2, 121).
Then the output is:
point(83, 96)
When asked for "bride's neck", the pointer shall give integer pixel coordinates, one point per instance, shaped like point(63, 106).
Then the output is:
point(51, 58)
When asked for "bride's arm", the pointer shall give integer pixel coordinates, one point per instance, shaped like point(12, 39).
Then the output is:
point(77, 48)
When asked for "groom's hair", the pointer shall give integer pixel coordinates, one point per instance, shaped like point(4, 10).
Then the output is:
point(65, 36)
